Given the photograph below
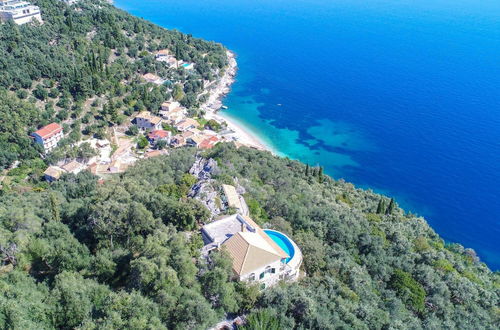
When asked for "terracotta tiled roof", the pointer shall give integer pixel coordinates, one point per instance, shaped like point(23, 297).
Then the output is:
point(163, 52)
point(158, 134)
point(72, 166)
point(249, 251)
point(266, 237)
point(209, 142)
point(53, 172)
point(49, 130)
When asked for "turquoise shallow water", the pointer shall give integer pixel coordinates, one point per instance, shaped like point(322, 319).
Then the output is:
point(399, 96)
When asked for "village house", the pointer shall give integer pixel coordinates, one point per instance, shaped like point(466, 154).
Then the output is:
point(52, 173)
point(73, 167)
point(145, 120)
point(152, 78)
point(48, 136)
point(162, 55)
point(177, 141)
point(209, 143)
point(187, 124)
point(158, 135)
point(194, 140)
point(171, 62)
point(20, 12)
point(170, 105)
point(257, 255)
point(174, 116)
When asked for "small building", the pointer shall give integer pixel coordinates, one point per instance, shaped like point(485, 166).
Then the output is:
point(170, 105)
point(257, 255)
point(48, 136)
point(187, 124)
point(209, 143)
point(52, 173)
point(171, 62)
point(194, 140)
point(73, 167)
point(162, 54)
point(152, 78)
point(157, 135)
point(177, 141)
point(232, 199)
point(20, 12)
point(174, 116)
point(145, 120)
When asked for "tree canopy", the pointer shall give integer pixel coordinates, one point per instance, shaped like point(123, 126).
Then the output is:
point(125, 254)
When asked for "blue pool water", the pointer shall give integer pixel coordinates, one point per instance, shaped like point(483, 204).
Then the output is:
point(400, 96)
point(283, 242)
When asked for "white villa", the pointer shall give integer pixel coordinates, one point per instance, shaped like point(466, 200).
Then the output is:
point(21, 12)
point(170, 105)
point(48, 136)
point(260, 256)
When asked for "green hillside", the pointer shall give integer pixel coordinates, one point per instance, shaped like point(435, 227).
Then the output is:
point(118, 254)
point(82, 68)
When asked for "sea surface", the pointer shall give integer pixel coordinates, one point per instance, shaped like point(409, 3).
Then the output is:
point(400, 96)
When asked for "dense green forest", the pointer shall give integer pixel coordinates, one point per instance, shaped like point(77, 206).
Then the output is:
point(125, 254)
point(82, 68)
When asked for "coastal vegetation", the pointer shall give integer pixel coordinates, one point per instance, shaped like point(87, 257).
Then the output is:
point(83, 68)
point(125, 254)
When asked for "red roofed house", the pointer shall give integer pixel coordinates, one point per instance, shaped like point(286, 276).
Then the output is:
point(160, 134)
point(209, 143)
point(48, 136)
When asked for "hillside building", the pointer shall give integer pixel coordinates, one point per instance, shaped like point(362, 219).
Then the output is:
point(48, 136)
point(20, 12)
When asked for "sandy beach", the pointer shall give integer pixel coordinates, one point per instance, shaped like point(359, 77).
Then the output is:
point(214, 103)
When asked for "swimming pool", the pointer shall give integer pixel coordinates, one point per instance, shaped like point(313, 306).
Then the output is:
point(283, 241)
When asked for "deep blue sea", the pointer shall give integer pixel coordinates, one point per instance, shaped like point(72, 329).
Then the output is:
point(400, 96)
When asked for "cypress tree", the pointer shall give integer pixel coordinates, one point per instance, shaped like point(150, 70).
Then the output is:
point(307, 169)
point(320, 174)
point(54, 208)
point(391, 207)
point(381, 206)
